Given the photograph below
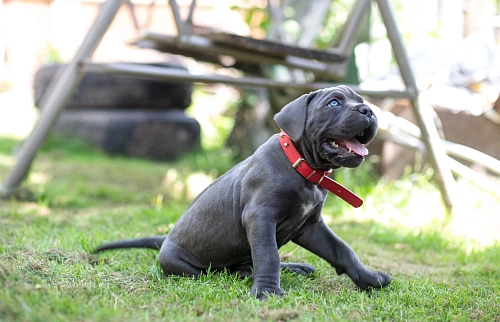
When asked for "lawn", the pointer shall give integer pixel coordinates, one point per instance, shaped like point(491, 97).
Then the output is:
point(445, 266)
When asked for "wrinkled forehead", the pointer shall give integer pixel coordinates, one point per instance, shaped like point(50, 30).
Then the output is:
point(341, 93)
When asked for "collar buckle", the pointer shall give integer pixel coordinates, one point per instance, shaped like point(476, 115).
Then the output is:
point(297, 163)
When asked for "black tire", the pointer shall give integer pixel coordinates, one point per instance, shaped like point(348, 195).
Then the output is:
point(115, 91)
point(152, 134)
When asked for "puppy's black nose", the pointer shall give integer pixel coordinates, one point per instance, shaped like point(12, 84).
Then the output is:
point(363, 109)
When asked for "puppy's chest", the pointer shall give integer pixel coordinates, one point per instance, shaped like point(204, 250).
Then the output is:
point(309, 205)
point(306, 209)
point(301, 211)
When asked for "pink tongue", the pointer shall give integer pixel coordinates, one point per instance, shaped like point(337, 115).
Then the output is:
point(356, 146)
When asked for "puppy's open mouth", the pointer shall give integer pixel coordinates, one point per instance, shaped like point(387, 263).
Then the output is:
point(348, 146)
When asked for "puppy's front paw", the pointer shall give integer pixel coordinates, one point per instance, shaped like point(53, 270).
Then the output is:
point(371, 279)
point(262, 293)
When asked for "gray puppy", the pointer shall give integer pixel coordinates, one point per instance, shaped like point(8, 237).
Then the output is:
point(241, 220)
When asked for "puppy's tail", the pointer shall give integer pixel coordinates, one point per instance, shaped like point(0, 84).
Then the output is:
point(147, 242)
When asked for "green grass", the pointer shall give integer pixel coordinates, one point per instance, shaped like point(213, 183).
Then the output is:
point(76, 197)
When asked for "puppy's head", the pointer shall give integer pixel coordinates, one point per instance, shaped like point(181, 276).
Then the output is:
point(330, 127)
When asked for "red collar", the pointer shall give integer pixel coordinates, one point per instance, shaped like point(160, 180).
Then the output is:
point(318, 177)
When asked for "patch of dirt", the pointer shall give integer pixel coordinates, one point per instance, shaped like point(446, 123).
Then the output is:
point(38, 267)
point(71, 258)
point(38, 263)
point(477, 314)
point(4, 272)
point(279, 315)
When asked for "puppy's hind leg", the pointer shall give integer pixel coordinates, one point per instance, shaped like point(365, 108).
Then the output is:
point(298, 268)
point(177, 261)
point(246, 269)
point(243, 270)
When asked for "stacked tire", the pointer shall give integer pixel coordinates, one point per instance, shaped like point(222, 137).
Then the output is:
point(126, 115)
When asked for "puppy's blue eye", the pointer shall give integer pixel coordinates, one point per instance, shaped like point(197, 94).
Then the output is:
point(334, 103)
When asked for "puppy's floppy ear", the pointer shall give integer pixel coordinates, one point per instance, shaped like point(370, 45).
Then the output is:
point(292, 118)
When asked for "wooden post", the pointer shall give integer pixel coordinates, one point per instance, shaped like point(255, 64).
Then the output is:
point(422, 111)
